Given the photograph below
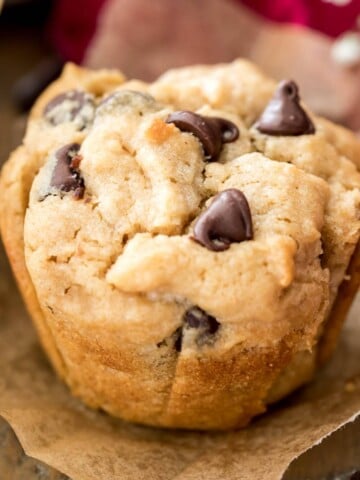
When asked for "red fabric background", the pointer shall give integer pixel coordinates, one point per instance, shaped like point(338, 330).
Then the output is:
point(317, 14)
point(74, 21)
point(72, 25)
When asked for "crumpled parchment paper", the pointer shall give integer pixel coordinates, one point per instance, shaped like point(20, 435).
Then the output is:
point(86, 445)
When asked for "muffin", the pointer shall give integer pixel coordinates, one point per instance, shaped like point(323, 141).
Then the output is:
point(187, 249)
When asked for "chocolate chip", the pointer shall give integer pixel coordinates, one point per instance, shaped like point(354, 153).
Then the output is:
point(355, 475)
point(195, 317)
point(284, 114)
point(70, 106)
point(127, 100)
point(66, 176)
point(227, 220)
point(212, 132)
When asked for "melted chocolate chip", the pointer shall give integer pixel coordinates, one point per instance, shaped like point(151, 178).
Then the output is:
point(284, 114)
point(66, 176)
point(69, 106)
point(227, 220)
point(212, 132)
point(198, 319)
point(122, 100)
point(195, 317)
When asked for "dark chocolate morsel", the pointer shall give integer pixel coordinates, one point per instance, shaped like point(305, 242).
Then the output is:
point(195, 317)
point(66, 176)
point(284, 114)
point(67, 106)
point(227, 220)
point(212, 132)
point(119, 101)
point(355, 475)
point(127, 97)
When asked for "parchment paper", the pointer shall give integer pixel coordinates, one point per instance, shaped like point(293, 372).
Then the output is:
point(56, 429)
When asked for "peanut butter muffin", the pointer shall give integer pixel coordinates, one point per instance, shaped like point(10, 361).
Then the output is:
point(187, 248)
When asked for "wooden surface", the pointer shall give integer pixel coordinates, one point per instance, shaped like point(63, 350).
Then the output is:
point(19, 50)
point(15, 465)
